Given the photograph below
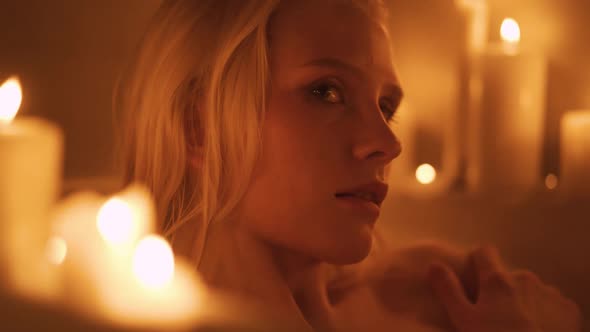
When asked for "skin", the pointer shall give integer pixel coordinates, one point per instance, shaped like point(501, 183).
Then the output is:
point(511, 301)
point(327, 130)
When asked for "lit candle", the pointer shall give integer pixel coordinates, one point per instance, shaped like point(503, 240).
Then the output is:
point(117, 269)
point(85, 258)
point(425, 174)
point(125, 218)
point(30, 169)
point(477, 23)
point(551, 181)
point(575, 153)
point(424, 182)
point(159, 291)
point(100, 236)
point(506, 117)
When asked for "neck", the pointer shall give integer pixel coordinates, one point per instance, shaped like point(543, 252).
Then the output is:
point(237, 260)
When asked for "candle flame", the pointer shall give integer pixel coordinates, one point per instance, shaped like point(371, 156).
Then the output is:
point(510, 31)
point(10, 99)
point(115, 221)
point(551, 181)
point(57, 250)
point(425, 174)
point(153, 262)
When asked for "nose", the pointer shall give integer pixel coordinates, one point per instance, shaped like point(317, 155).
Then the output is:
point(376, 142)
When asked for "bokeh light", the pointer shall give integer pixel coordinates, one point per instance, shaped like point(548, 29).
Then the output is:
point(510, 31)
point(57, 250)
point(551, 181)
point(115, 221)
point(153, 262)
point(425, 174)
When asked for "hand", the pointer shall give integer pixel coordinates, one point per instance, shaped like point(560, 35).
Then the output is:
point(505, 301)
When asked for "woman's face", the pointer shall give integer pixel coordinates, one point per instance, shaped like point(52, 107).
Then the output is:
point(326, 132)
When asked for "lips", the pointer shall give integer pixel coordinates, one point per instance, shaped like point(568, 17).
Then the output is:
point(374, 192)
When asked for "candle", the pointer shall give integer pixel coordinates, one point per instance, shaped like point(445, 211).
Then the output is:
point(425, 174)
point(100, 235)
point(575, 153)
point(551, 181)
point(30, 168)
point(125, 218)
point(507, 91)
point(477, 23)
point(117, 269)
point(85, 259)
point(159, 292)
point(424, 182)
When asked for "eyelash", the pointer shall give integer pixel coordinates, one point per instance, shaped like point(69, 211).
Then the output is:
point(389, 114)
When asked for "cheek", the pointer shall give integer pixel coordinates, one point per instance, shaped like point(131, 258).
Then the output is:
point(296, 150)
point(290, 199)
point(292, 206)
point(285, 180)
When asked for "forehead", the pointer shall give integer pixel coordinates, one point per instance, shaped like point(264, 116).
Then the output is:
point(304, 30)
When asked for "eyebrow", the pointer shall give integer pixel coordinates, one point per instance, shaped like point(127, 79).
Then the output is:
point(395, 89)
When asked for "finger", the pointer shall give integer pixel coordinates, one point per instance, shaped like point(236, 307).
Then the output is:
point(447, 288)
point(528, 285)
point(526, 277)
point(486, 261)
point(470, 281)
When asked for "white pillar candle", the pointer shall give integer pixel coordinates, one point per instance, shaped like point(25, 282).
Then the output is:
point(100, 235)
point(116, 269)
point(85, 258)
point(30, 169)
point(477, 12)
point(575, 153)
point(160, 292)
point(508, 90)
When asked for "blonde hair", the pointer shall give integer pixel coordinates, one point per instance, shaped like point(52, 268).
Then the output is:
point(199, 82)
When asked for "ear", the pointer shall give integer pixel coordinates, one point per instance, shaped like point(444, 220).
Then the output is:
point(195, 156)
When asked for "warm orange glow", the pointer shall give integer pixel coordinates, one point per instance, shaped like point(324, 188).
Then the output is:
point(510, 31)
point(57, 250)
point(469, 3)
point(115, 222)
point(153, 262)
point(576, 121)
point(10, 99)
point(551, 181)
point(425, 174)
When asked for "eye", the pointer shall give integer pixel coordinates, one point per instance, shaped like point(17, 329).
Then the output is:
point(389, 109)
point(328, 92)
